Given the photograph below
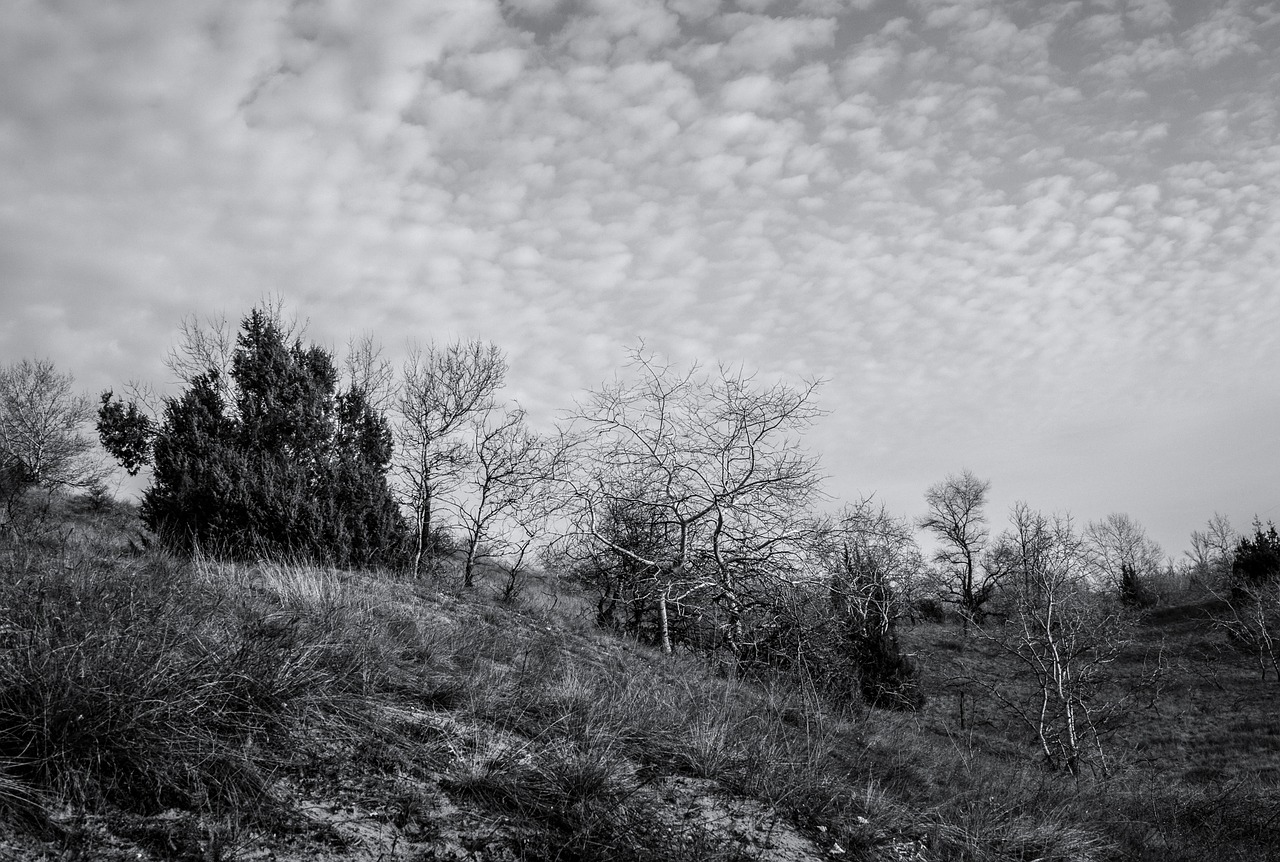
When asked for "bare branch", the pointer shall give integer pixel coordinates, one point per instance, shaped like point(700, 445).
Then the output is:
point(711, 465)
point(368, 370)
point(42, 431)
point(957, 518)
point(442, 389)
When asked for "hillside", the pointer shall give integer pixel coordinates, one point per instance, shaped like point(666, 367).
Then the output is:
point(155, 708)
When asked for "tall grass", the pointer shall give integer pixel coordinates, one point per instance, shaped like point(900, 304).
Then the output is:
point(153, 683)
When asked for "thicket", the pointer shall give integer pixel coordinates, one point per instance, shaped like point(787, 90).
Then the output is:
point(1257, 558)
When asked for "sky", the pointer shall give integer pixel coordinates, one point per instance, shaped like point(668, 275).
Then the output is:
point(1036, 240)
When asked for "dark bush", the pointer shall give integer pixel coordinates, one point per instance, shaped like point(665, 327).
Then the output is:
point(285, 466)
point(1257, 560)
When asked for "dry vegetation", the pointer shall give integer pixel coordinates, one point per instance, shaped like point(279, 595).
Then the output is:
point(154, 708)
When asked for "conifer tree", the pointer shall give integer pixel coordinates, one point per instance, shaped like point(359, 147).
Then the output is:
point(283, 465)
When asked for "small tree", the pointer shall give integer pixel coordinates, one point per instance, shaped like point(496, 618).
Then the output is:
point(1251, 621)
point(1123, 558)
point(366, 368)
point(505, 492)
point(615, 566)
point(126, 431)
point(207, 346)
point(42, 432)
point(1213, 551)
point(872, 556)
point(442, 389)
point(713, 461)
point(957, 519)
point(1064, 638)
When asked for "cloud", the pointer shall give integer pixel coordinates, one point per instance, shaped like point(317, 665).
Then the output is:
point(488, 71)
point(621, 30)
point(1224, 34)
point(981, 221)
point(751, 93)
point(761, 42)
point(1149, 14)
point(535, 8)
point(1101, 28)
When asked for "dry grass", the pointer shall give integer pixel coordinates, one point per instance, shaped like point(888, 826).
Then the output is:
point(229, 708)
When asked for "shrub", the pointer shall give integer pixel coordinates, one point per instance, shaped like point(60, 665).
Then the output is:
point(278, 463)
point(1257, 560)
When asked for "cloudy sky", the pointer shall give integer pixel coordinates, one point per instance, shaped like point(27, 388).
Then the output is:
point(1038, 240)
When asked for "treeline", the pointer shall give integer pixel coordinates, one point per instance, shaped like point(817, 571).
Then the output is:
point(683, 499)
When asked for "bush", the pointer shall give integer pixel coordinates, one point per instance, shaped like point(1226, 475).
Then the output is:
point(1257, 560)
point(275, 463)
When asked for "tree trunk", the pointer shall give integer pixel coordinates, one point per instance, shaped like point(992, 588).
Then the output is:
point(664, 629)
point(468, 571)
point(417, 555)
point(423, 521)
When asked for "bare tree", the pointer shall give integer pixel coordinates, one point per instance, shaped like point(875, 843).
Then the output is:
point(1251, 622)
point(367, 369)
point(873, 558)
point(1213, 551)
point(1064, 638)
point(616, 567)
point(1123, 558)
point(713, 462)
point(42, 439)
point(442, 388)
point(205, 347)
point(867, 540)
point(957, 519)
point(1250, 596)
point(505, 491)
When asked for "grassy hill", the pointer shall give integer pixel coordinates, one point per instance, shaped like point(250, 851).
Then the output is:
point(155, 708)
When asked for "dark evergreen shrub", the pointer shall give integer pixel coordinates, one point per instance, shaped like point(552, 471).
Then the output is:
point(288, 466)
point(1257, 560)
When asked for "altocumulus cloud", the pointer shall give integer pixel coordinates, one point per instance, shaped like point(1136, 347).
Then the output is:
point(992, 224)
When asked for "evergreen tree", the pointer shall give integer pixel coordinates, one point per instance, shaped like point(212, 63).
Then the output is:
point(285, 466)
point(126, 432)
point(1257, 560)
